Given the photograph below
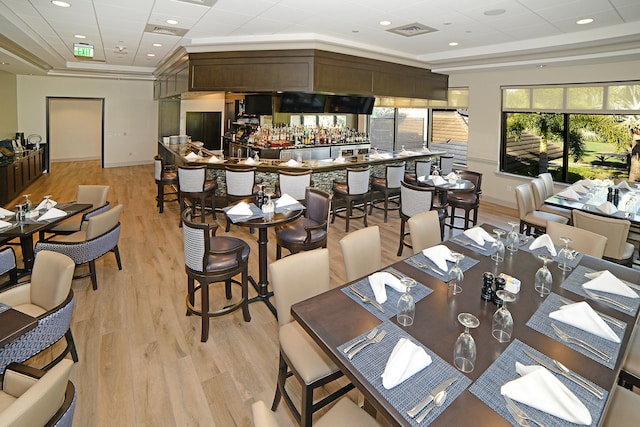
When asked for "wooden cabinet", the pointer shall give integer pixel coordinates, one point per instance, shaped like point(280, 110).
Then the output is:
point(16, 176)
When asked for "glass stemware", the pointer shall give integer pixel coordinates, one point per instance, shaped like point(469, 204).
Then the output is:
point(498, 246)
point(27, 202)
point(464, 351)
point(631, 206)
point(513, 238)
point(456, 276)
point(20, 215)
point(406, 304)
point(543, 279)
point(565, 255)
point(268, 208)
point(502, 323)
point(260, 198)
point(47, 202)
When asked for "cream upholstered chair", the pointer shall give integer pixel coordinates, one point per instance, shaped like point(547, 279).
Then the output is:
point(165, 176)
point(296, 278)
point(361, 252)
point(194, 186)
point(416, 199)
point(86, 246)
point(540, 194)
point(547, 179)
point(425, 230)
point(624, 409)
point(31, 397)
point(293, 183)
point(617, 248)
point(630, 374)
point(8, 265)
point(530, 218)
point(389, 186)
point(49, 298)
point(582, 240)
point(356, 195)
point(343, 413)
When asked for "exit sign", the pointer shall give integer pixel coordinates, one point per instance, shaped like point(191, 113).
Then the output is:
point(83, 50)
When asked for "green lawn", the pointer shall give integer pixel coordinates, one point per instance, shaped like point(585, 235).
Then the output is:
point(592, 148)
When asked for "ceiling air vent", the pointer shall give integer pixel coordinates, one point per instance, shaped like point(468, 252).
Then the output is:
point(167, 31)
point(411, 30)
point(207, 3)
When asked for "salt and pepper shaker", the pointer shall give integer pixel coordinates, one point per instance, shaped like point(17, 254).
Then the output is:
point(500, 284)
point(616, 196)
point(487, 286)
point(610, 194)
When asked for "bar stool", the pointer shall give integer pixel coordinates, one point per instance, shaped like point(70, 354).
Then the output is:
point(446, 164)
point(165, 176)
point(421, 168)
point(354, 190)
point(467, 201)
point(414, 200)
point(293, 184)
point(241, 184)
point(194, 186)
point(389, 186)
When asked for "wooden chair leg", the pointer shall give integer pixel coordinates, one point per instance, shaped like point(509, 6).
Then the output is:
point(116, 251)
point(245, 296)
point(92, 271)
point(401, 247)
point(204, 306)
point(72, 345)
point(282, 377)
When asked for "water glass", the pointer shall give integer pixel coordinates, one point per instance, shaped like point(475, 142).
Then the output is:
point(456, 276)
point(406, 304)
point(513, 238)
point(464, 351)
point(543, 281)
point(565, 255)
point(502, 323)
point(498, 246)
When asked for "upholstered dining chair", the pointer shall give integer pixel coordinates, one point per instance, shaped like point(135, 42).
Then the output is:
point(241, 184)
point(532, 220)
point(300, 356)
point(624, 409)
point(95, 195)
point(446, 164)
point(582, 240)
point(421, 168)
point(547, 179)
point(310, 231)
point(194, 186)
point(415, 199)
point(616, 230)
point(424, 229)
point(8, 266)
point(293, 183)
point(32, 397)
point(361, 252)
point(467, 201)
point(630, 373)
point(389, 186)
point(85, 246)
point(355, 192)
point(165, 176)
point(210, 259)
point(49, 298)
point(540, 194)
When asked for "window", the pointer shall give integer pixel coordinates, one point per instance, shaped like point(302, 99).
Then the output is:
point(574, 132)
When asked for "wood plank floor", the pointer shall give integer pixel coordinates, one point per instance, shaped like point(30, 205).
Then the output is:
point(141, 359)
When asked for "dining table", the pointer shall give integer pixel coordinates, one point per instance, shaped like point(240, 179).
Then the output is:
point(13, 324)
point(460, 185)
point(336, 318)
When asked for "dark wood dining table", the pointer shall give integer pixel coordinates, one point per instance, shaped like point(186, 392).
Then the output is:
point(461, 185)
point(24, 230)
point(13, 324)
point(333, 318)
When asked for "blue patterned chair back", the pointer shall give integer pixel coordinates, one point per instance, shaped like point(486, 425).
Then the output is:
point(7, 260)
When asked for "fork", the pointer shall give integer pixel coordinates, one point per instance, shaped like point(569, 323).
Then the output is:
point(615, 322)
point(569, 339)
point(423, 265)
point(518, 414)
point(369, 336)
point(465, 243)
point(375, 340)
point(611, 301)
point(365, 298)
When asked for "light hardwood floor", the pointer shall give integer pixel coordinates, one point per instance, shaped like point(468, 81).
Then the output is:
point(141, 359)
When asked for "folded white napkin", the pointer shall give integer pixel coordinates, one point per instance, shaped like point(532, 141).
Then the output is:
point(582, 316)
point(52, 214)
point(479, 235)
point(451, 175)
point(544, 241)
point(439, 254)
point(569, 194)
point(285, 200)
point(624, 185)
point(192, 156)
point(379, 280)
point(43, 204)
point(250, 161)
point(406, 359)
point(4, 224)
point(426, 150)
point(587, 183)
point(339, 160)
point(241, 208)
point(540, 389)
point(5, 213)
point(291, 163)
point(437, 179)
point(32, 214)
point(404, 153)
point(215, 159)
point(605, 281)
point(375, 156)
point(608, 208)
point(579, 188)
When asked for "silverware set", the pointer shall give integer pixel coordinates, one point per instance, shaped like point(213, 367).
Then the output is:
point(439, 392)
point(366, 343)
point(427, 266)
point(371, 335)
point(519, 415)
point(365, 298)
point(577, 341)
point(608, 300)
point(465, 243)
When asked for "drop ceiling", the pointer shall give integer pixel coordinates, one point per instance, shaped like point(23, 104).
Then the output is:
point(37, 37)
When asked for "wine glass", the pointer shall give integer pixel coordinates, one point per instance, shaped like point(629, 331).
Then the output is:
point(565, 255)
point(543, 279)
point(260, 198)
point(20, 215)
point(502, 323)
point(513, 238)
point(498, 246)
point(268, 208)
point(464, 351)
point(406, 304)
point(456, 276)
point(631, 206)
point(47, 202)
point(27, 202)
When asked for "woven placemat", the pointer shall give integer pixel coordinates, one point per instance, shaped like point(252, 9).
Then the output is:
point(487, 387)
point(4, 307)
point(541, 322)
point(465, 264)
point(390, 306)
point(544, 251)
point(371, 362)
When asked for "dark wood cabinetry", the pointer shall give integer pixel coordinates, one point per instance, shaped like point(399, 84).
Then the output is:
point(17, 175)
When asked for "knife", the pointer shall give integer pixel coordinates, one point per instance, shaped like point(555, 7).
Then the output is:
point(420, 406)
point(570, 375)
point(458, 240)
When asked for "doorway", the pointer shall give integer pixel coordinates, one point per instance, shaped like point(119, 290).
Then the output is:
point(205, 127)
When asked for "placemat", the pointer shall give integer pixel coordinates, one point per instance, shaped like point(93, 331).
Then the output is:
point(390, 306)
point(464, 241)
point(487, 387)
point(256, 213)
point(371, 362)
point(4, 307)
point(577, 278)
point(431, 268)
point(544, 251)
point(541, 322)
point(288, 208)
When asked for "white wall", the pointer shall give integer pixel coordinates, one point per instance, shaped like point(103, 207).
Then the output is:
point(484, 114)
point(131, 114)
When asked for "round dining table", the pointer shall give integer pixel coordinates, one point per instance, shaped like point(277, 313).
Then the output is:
point(460, 185)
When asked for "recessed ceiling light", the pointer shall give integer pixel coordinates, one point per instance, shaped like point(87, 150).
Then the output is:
point(79, 36)
point(151, 54)
point(447, 23)
point(355, 31)
point(60, 3)
point(454, 44)
point(4, 63)
point(541, 66)
point(157, 45)
point(584, 21)
point(494, 12)
point(171, 21)
point(385, 23)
